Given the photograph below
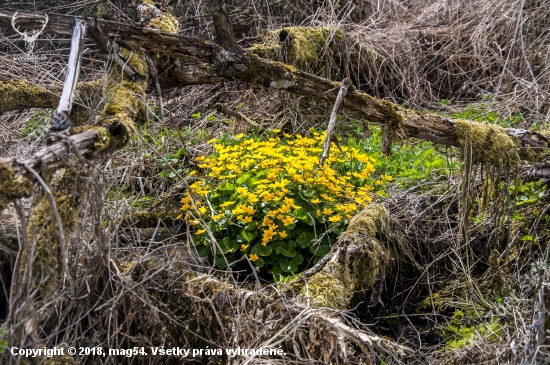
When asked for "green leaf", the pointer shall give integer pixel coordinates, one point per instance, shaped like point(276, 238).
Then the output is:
point(261, 250)
point(288, 266)
point(227, 188)
point(302, 214)
point(224, 245)
point(259, 263)
point(298, 259)
point(203, 250)
point(196, 115)
point(252, 226)
point(248, 236)
point(241, 180)
point(221, 262)
point(276, 272)
point(305, 239)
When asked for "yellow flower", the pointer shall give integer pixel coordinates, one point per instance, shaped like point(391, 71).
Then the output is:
point(283, 234)
point(288, 221)
point(327, 198)
point(239, 136)
point(254, 257)
point(202, 210)
point(200, 231)
point(285, 209)
point(244, 247)
point(247, 219)
point(327, 211)
point(194, 222)
point(268, 197)
point(315, 201)
point(269, 234)
point(335, 218)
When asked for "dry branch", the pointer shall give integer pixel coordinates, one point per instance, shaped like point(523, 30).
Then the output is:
point(333, 117)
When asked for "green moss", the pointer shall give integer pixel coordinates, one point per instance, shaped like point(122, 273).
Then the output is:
point(335, 285)
point(372, 220)
point(487, 143)
point(269, 47)
point(303, 45)
point(432, 302)
point(16, 94)
point(68, 191)
point(166, 23)
point(367, 53)
point(136, 60)
point(330, 288)
point(12, 187)
point(262, 72)
point(306, 43)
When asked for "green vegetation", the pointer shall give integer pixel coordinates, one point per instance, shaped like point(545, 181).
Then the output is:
point(270, 200)
point(409, 164)
point(35, 125)
point(464, 329)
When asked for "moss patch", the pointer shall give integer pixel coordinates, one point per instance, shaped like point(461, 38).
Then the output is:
point(263, 72)
point(343, 276)
point(12, 187)
point(367, 265)
point(135, 60)
point(15, 94)
point(166, 23)
point(488, 143)
point(69, 191)
point(303, 45)
point(330, 288)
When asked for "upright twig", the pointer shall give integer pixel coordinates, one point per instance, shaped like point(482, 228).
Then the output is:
point(344, 86)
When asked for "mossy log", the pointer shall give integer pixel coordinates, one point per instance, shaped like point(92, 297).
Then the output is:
point(355, 265)
point(187, 60)
point(20, 94)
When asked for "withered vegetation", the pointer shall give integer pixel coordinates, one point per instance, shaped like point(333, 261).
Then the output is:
point(451, 272)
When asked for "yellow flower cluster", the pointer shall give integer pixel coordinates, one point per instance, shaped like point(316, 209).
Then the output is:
point(279, 183)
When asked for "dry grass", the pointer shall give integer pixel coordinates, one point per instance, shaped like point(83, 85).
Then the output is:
point(136, 287)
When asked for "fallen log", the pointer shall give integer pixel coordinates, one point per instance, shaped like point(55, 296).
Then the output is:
point(213, 63)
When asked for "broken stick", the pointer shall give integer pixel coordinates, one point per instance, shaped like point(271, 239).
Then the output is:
point(60, 119)
point(344, 86)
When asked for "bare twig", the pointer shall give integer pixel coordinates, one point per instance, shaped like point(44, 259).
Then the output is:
point(344, 86)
